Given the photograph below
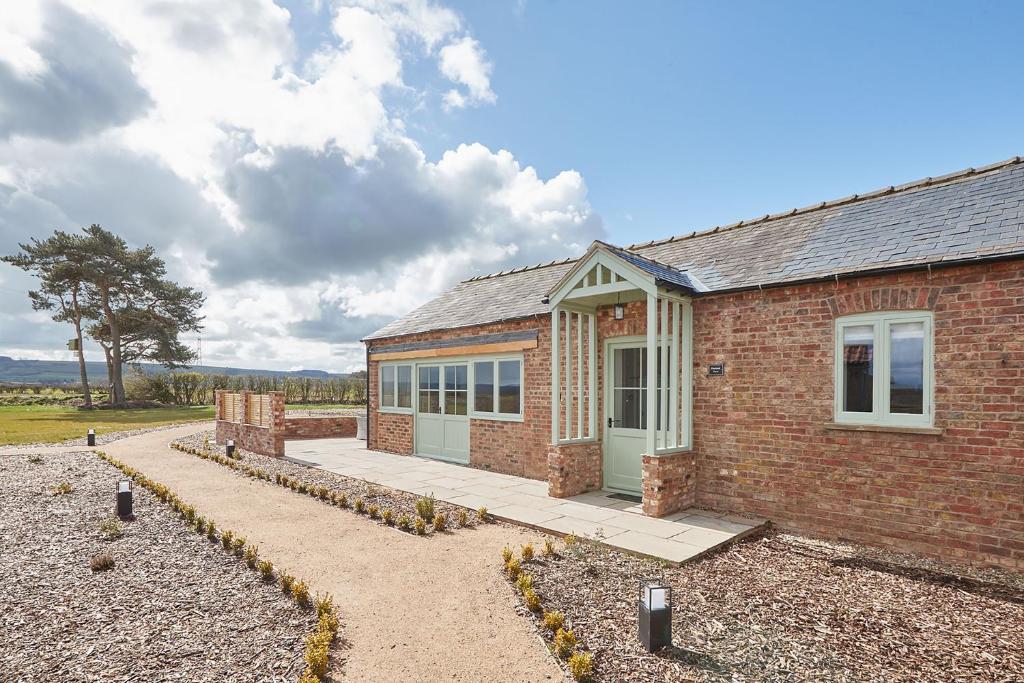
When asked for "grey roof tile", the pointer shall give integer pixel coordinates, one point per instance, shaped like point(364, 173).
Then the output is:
point(970, 214)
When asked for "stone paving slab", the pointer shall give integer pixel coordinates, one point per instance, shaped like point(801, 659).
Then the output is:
point(595, 515)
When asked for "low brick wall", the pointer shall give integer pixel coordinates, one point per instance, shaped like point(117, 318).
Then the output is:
point(669, 483)
point(323, 427)
point(574, 469)
point(251, 437)
point(254, 421)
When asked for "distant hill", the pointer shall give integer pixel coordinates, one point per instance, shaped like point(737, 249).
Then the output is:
point(66, 372)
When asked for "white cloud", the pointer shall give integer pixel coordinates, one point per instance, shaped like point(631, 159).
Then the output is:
point(463, 61)
point(279, 177)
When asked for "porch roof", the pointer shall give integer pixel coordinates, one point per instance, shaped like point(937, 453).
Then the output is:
point(965, 216)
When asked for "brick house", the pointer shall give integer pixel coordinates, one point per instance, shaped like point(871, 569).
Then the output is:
point(853, 369)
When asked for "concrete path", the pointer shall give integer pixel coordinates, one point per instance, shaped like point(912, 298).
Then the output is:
point(599, 515)
point(412, 609)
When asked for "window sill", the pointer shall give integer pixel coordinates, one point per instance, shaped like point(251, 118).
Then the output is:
point(895, 429)
point(395, 411)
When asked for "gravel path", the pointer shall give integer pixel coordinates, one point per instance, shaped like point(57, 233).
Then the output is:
point(411, 609)
point(786, 608)
point(173, 607)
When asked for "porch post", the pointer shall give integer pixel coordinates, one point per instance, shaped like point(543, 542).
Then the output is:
point(555, 382)
point(592, 366)
point(652, 372)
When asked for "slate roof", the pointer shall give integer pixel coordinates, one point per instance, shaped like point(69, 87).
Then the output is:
point(970, 214)
point(663, 274)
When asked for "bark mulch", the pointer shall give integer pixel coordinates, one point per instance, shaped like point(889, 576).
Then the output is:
point(174, 606)
point(787, 608)
point(371, 494)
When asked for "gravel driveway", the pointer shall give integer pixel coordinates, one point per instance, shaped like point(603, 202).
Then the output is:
point(411, 608)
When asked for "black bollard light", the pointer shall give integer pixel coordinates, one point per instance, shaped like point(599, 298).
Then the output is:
point(124, 499)
point(655, 622)
point(90, 437)
point(230, 448)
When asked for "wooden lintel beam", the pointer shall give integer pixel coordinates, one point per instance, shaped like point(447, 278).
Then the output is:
point(468, 350)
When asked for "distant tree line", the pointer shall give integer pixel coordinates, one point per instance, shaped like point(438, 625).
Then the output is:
point(194, 388)
point(116, 296)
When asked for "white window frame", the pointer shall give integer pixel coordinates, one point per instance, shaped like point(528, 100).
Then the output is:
point(881, 321)
point(494, 414)
point(394, 407)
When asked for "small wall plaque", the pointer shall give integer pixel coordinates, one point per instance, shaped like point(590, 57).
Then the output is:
point(716, 369)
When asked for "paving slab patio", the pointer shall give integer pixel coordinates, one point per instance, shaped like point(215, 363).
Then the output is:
point(595, 515)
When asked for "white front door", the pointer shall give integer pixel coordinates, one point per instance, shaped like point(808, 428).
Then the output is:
point(442, 420)
point(625, 436)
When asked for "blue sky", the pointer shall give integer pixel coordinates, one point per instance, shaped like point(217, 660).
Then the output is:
point(321, 167)
point(685, 115)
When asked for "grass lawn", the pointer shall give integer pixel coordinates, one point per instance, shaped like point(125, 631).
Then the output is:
point(50, 424)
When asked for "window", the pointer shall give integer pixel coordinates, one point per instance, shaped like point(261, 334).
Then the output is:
point(430, 389)
point(455, 390)
point(396, 387)
point(498, 388)
point(884, 369)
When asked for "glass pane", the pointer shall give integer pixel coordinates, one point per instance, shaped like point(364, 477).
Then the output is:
point(906, 368)
point(629, 367)
point(509, 386)
point(387, 385)
point(434, 402)
point(460, 402)
point(628, 408)
point(483, 387)
point(405, 386)
point(858, 368)
point(449, 377)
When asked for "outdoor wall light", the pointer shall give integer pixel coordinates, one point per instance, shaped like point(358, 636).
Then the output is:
point(124, 499)
point(655, 619)
point(620, 311)
point(230, 448)
point(90, 437)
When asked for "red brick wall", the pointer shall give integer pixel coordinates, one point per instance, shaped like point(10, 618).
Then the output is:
point(518, 448)
point(263, 440)
point(324, 427)
point(574, 468)
point(761, 443)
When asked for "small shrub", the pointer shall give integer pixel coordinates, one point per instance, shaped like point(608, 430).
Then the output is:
point(359, 506)
point(554, 620)
point(111, 529)
point(316, 657)
point(565, 643)
point(238, 545)
point(35, 459)
point(286, 582)
point(524, 582)
point(101, 562)
point(481, 514)
point(532, 600)
point(323, 493)
point(341, 499)
point(301, 488)
point(571, 540)
point(425, 507)
point(278, 478)
point(62, 489)
point(266, 569)
point(300, 591)
point(251, 556)
point(324, 604)
point(440, 521)
point(373, 510)
point(463, 517)
point(329, 622)
point(527, 552)
point(420, 525)
point(506, 554)
point(201, 524)
point(513, 568)
point(581, 666)
point(227, 539)
point(211, 531)
point(403, 522)
point(388, 515)
point(549, 548)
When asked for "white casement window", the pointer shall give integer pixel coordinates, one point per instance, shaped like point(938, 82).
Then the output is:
point(395, 387)
point(884, 369)
point(498, 388)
